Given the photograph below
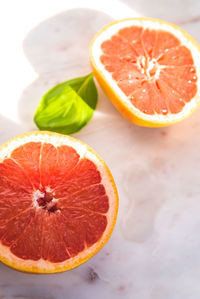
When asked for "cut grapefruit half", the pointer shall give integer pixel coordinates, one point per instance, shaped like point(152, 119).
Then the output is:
point(149, 69)
point(58, 202)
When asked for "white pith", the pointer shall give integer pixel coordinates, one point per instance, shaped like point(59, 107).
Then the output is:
point(38, 194)
point(150, 65)
point(83, 150)
point(185, 40)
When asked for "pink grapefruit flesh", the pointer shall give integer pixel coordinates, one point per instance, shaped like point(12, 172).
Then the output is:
point(152, 68)
point(53, 205)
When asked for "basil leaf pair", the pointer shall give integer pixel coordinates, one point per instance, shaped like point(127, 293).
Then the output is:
point(67, 107)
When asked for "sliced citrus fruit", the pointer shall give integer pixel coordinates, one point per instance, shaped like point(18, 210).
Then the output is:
point(58, 202)
point(149, 69)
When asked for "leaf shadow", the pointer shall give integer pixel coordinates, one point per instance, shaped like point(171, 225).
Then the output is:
point(9, 129)
point(58, 50)
point(52, 49)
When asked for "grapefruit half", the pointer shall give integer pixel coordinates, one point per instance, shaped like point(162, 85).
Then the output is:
point(149, 69)
point(58, 202)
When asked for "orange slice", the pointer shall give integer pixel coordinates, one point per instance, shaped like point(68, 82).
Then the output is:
point(149, 69)
point(58, 202)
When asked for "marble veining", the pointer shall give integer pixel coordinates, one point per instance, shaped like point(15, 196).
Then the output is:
point(154, 250)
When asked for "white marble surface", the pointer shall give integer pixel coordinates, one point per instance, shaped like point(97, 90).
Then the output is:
point(154, 252)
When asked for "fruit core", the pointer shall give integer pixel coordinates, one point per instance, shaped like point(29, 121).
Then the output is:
point(53, 204)
point(148, 67)
point(45, 200)
point(152, 67)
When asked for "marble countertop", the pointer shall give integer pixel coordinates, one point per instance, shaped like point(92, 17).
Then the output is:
point(154, 252)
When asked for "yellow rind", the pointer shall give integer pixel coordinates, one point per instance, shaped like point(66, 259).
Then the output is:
point(100, 243)
point(135, 118)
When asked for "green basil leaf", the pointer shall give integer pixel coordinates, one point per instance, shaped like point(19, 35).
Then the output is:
point(67, 107)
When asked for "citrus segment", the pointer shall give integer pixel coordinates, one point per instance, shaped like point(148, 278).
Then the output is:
point(74, 235)
point(8, 170)
point(149, 69)
point(58, 203)
point(55, 161)
point(12, 227)
point(27, 157)
point(93, 198)
point(28, 244)
point(83, 175)
point(143, 64)
point(53, 247)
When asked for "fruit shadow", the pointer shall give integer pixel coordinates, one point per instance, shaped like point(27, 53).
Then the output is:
point(9, 129)
point(75, 283)
point(175, 11)
point(58, 50)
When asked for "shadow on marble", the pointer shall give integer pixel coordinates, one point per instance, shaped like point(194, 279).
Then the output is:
point(77, 283)
point(155, 170)
point(58, 50)
point(145, 197)
point(52, 49)
point(9, 129)
point(175, 11)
